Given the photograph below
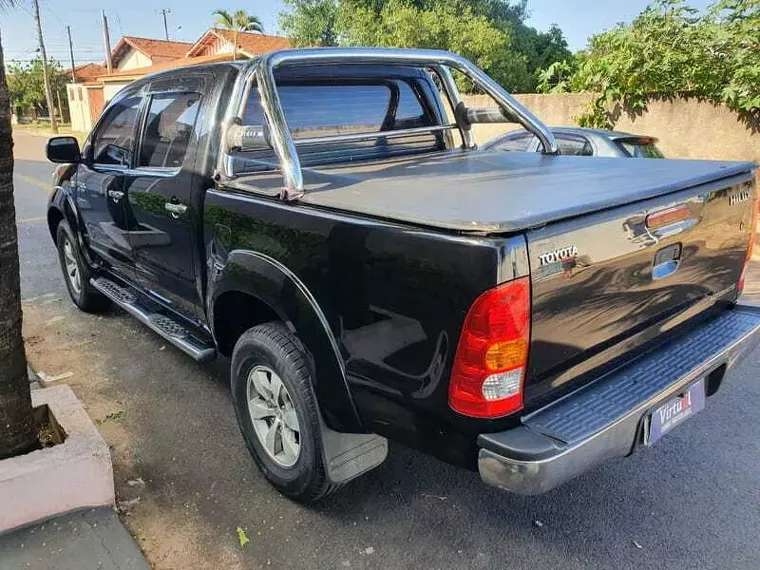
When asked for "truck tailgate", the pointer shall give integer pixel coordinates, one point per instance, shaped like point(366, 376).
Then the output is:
point(606, 282)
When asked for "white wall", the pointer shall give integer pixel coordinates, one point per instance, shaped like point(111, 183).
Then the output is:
point(220, 45)
point(111, 88)
point(79, 108)
point(133, 60)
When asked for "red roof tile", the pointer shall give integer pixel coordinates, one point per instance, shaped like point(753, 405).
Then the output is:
point(160, 49)
point(89, 71)
point(249, 43)
point(130, 74)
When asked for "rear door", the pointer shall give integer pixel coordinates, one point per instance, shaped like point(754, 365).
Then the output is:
point(159, 191)
point(100, 185)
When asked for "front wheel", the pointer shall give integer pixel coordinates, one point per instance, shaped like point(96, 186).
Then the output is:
point(76, 273)
point(277, 412)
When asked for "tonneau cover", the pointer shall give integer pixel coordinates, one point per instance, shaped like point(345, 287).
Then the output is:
point(501, 192)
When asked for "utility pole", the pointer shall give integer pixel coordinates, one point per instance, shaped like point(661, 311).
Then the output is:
point(164, 12)
point(45, 77)
point(71, 54)
point(106, 42)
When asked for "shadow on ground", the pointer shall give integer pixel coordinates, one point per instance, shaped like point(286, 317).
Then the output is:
point(185, 482)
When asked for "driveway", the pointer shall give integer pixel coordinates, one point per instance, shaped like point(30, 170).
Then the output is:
point(185, 482)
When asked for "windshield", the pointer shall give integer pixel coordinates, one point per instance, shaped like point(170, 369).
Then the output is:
point(639, 149)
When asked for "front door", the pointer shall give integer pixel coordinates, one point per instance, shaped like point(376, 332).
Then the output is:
point(159, 191)
point(101, 185)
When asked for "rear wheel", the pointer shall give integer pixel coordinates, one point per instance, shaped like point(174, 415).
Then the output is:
point(77, 274)
point(277, 412)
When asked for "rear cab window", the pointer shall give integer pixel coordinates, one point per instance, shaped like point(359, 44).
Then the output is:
point(347, 105)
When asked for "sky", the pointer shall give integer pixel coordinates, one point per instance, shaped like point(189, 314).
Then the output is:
point(578, 19)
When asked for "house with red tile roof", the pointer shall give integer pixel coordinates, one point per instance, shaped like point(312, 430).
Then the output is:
point(216, 40)
point(132, 52)
point(89, 72)
point(135, 57)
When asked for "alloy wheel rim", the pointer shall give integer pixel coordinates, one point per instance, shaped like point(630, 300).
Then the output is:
point(72, 267)
point(273, 416)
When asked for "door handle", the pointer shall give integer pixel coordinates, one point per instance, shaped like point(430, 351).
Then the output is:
point(115, 195)
point(175, 210)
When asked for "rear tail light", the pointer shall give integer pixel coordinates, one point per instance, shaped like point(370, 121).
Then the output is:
point(751, 246)
point(492, 356)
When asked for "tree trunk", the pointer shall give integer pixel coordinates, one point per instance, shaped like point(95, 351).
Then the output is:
point(17, 429)
point(45, 70)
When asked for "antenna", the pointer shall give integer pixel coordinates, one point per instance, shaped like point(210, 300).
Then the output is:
point(164, 12)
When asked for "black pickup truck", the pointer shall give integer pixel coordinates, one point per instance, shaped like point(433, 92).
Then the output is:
point(325, 220)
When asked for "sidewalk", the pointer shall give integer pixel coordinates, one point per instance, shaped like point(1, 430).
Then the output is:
point(93, 539)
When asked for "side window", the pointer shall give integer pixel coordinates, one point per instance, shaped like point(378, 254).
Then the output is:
point(574, 146)
point(115, 140)
point(168, 128)
point(516, 143)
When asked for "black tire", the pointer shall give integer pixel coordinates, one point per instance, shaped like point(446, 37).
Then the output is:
point(274, 346)
point(85, 296)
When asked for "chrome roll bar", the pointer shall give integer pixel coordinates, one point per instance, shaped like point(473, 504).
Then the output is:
point(261, 72)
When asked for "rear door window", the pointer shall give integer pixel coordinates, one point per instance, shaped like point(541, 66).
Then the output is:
point(168, 128)
point(636, 149)
point(574, 146)
point(516, 143)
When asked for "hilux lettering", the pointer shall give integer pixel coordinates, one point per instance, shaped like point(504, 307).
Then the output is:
point(738, 197)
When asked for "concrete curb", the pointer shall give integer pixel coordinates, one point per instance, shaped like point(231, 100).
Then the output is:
point(73, 475)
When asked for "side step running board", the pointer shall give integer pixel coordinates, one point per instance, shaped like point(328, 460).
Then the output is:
point(165, 326)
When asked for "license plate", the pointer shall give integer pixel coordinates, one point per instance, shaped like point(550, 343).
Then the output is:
point(675, 411)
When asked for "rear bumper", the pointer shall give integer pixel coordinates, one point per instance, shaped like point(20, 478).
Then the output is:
point(606, 418)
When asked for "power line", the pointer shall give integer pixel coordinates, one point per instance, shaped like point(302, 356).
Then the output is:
point(118, 23)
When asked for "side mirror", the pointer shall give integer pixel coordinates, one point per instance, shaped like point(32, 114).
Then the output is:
point(63, 150)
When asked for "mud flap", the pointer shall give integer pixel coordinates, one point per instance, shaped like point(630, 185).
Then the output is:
point(348, 455)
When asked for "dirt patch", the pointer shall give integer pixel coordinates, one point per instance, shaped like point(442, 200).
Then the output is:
point(63, 342)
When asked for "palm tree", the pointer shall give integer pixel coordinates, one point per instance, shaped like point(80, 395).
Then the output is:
point(17, 430)
point(239, 21)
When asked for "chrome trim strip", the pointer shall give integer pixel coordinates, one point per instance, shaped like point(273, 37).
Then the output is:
point(618, 439)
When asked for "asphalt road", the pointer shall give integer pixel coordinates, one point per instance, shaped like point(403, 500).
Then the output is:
point(692, 501)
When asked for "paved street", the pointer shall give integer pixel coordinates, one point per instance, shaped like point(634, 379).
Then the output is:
point(185, 481)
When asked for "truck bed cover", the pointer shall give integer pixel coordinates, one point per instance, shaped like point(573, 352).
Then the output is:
point(501, 192)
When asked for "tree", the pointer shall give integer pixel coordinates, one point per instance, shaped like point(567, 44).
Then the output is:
point(311, 22)
point(239, 21)
point(26, 85)
point(17, 429)
point(669, 50)
point(490, 32)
